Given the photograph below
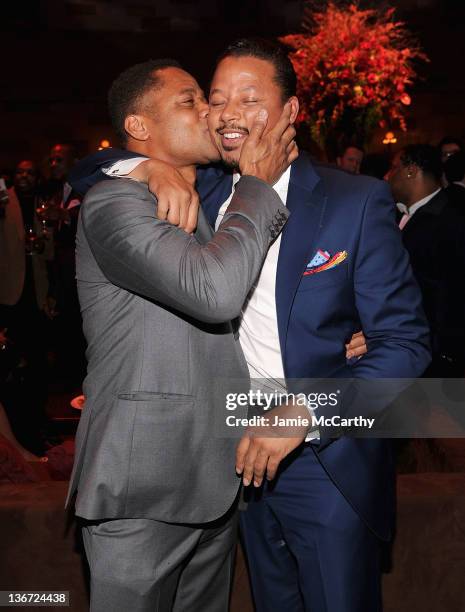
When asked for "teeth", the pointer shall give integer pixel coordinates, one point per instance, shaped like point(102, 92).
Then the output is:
point(232, 135)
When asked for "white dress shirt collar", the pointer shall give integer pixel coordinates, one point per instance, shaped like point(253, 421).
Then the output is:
point(413, 209)
point(281, 186)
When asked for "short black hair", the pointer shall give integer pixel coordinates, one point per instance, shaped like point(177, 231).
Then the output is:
point(449, 140)
point(425, 156)
point(270, 51)
point(128, 88)
point(350, 145)
point(31, 161)
point(454, 167)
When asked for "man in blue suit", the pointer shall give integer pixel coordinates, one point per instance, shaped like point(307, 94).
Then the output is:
point(313, 533)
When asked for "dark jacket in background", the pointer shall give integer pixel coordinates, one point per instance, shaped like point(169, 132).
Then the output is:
point(435, 240)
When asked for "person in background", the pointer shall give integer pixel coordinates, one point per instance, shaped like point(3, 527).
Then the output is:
point(350, 159)
point(26, 252)
point(434, 235)
point(61, 211)
point(448, 146)
point(454, 171)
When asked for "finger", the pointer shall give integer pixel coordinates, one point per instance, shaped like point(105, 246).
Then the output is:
point(241, 452)
point(184, 212)
point(258, 127)
point(356, 342)
point(260, 467)
point(163, 207)
point(293, 155)
point(272, 467)
point(283, 122)
point(249, 464)
point(291, 146)
point(358, 352)
point(193, 214)
point(356, 335)
point(173, 216)
point(288, 135)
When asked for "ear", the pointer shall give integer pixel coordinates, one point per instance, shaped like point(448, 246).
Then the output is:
point(294, 102)
point(412, 171)
point(136, 127)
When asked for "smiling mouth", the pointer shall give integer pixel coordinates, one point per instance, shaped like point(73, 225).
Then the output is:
point(230, 139)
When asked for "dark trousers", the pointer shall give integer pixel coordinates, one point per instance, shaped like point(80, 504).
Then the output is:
point(142, 565)
point(307, 548)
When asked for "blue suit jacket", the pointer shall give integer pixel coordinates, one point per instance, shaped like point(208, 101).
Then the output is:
point(372, 290)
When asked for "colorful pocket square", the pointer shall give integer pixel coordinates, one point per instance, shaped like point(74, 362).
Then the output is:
point(322, 261)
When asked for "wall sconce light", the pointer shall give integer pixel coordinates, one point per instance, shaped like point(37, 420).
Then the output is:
point(389, 138)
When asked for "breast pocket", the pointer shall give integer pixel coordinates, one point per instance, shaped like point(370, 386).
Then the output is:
point(333, 276)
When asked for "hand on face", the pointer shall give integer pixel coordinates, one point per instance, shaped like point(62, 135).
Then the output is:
point(266, 155)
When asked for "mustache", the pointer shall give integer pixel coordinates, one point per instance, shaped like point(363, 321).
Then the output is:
point(236, 128)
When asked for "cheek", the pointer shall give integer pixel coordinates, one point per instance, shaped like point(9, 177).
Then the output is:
point(212, 121)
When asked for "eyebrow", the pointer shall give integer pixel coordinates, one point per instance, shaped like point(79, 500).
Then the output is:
point(190, 90)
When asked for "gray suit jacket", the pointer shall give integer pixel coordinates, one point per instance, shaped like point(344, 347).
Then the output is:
point(156, 305)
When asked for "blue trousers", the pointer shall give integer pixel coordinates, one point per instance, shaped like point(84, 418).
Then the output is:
point(308, 550)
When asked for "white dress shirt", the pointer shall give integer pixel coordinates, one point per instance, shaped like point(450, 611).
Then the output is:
point(409, 212)
point(258, 330)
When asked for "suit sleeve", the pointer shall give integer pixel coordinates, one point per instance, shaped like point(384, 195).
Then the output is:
point(139, 253)
point(387, 297)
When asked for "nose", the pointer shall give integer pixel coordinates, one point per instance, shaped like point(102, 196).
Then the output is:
point(230, 112)
point(203, 110)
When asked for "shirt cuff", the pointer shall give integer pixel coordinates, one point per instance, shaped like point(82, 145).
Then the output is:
point(123, 167)
point(313, 434)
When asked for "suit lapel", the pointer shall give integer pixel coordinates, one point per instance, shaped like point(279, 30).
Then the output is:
point(306, 201)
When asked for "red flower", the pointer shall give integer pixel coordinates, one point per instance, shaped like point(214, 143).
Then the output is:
point(351, 58)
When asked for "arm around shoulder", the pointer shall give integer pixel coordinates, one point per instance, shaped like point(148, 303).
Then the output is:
point(145, 255)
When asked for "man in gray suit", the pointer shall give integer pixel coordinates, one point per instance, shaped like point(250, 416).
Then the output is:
point(155, 486)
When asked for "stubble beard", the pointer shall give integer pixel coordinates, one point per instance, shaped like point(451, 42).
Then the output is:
point(229, 162)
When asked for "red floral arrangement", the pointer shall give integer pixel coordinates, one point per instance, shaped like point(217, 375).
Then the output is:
point(353, 68)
